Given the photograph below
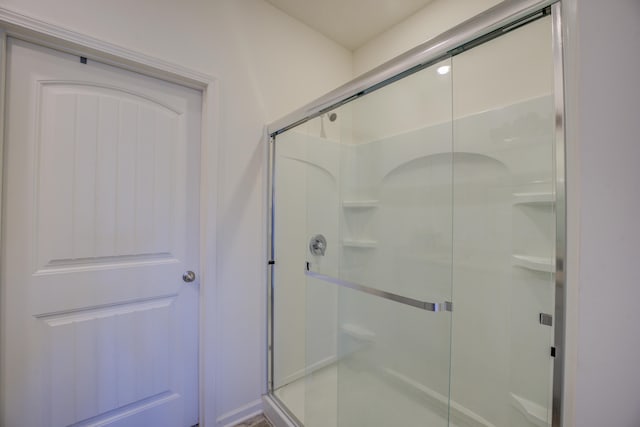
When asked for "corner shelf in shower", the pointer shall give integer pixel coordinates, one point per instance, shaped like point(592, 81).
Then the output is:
point(360, 204)
point(533, 198)
point(535, 263)
point(360, 244)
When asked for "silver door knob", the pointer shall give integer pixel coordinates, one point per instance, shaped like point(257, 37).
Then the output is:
point(189, 276)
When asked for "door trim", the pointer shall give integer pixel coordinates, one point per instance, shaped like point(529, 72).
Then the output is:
point(19, 26)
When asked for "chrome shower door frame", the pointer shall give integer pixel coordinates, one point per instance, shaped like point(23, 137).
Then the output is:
point(561, 219)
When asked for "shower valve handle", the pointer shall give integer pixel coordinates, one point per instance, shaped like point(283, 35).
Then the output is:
point(318, 245)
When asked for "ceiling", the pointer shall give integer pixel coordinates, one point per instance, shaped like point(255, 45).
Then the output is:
point(350, 23)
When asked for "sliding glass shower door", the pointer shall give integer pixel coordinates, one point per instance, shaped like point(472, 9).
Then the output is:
point(414, 232)
point(393, 336)
point(504, 230)
point(364, 193)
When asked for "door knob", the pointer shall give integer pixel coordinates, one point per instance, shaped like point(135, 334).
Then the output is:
point(189, 276)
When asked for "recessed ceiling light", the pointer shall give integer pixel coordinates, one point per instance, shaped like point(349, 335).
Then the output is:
point(443, 69)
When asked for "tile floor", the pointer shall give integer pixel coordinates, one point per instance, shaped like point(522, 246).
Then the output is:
point(257, 421)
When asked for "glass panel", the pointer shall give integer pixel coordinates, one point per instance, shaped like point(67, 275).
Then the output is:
point(306, 237)
point(504, 227)
point(305, 206)
point(390, 361)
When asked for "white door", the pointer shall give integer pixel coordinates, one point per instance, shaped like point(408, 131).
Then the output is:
point(101, 214)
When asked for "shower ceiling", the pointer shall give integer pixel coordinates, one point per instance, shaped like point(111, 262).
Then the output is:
point(351, 23)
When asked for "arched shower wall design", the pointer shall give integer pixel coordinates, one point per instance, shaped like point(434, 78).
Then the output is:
point(447, 201)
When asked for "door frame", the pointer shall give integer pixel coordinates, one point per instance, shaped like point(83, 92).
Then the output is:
point(23, 27)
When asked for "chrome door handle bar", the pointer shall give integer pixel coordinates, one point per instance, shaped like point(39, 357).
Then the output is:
point(424, 305)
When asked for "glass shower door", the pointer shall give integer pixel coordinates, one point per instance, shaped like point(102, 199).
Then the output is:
point(504, 230)
point(377, 320)
point(414, 247)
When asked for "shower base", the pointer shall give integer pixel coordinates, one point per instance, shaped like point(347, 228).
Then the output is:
point(367, 398)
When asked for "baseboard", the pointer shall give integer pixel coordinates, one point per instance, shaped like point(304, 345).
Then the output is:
point(240, 414)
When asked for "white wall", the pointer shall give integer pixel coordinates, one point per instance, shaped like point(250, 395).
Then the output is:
point(267, 64)
point(433, 19)
point(603, 125)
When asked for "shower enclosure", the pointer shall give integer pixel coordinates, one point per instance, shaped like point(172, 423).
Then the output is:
point(417, 236)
